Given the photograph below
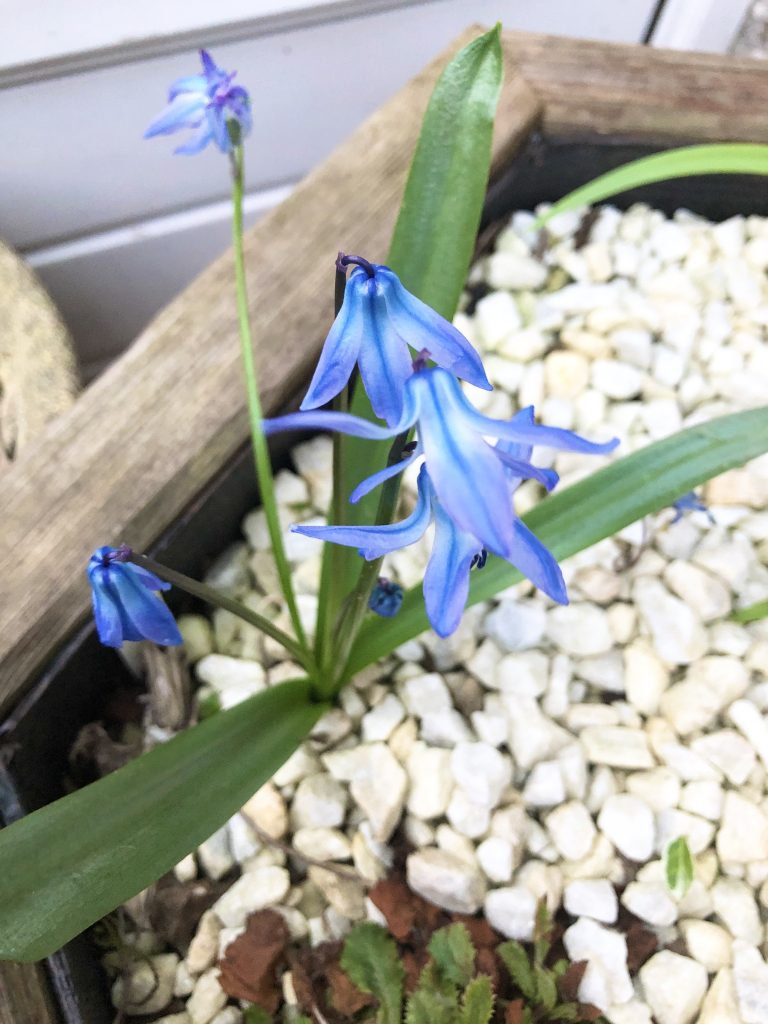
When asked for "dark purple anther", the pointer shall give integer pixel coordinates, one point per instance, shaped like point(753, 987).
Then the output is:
point(478, 562)
point(422, 360)
point(121, 554)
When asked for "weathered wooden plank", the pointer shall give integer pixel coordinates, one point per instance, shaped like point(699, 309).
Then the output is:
point(145, 437)
point(25, 995)
point(614, 89)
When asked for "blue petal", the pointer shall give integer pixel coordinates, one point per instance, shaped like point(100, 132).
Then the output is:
point(521, 470)
point(533, 433)
point(189, 83)
point(196, 142)
point(375, 541)
point(446, 581)
point(187, 110)
point(384, 361)
point(217, 127)
point(145, 577)
point(346, 423)
point(106, 610)
point(373, 481)
point(536, 563)
point(524, 418)
point(422, 327)
point(143, 610)
point(342, 345)
point(213, 73)
point(469, 480)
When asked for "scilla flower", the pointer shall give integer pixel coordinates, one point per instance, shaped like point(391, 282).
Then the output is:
point(467, 473)
point(386, 597)
point(204, 103)
point(125, 604)
point(454, 551)
point(377, 323)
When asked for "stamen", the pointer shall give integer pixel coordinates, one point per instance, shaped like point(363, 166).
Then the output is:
point(421, 360)
point(478, 562)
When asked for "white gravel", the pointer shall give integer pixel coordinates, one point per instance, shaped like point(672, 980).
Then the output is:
point(543, 750)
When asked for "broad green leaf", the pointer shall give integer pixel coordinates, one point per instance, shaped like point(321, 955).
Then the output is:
point(518, 963)
point(678, 867)
point(688, 161)
point(68, 864)
point(371, 960)
point(753, 613)
point(454, 955)
point(477, 1005)
point(257, 1015)
point(429, 1005)
point(637, 485)
point(431, 248)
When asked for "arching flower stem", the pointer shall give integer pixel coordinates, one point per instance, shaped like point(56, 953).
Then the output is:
point(217, 598)
point(258, 438)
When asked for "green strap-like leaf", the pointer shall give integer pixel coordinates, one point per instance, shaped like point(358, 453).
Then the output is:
point(371, 960)
point(432, 245)
point(752, 613)
point(688, 161)
point(68, 864)
point(630, 488)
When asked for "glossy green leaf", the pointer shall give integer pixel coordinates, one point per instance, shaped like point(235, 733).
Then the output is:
point(688, 161)
point(594, 508)
point(68, 864)
point(433, 241)
point(752, 613)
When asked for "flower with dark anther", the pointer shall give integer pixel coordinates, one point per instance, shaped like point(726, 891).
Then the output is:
point(378, 323)
point(454, 551)
point(206, 103)
point(125, 603)
point(690, 502)
point(386, 598)
point(467, 473)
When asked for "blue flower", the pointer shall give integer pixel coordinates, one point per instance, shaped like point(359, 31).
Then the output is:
point(378, 321)
point(124, 603)
point(690, 502)
point(467, 473)
point(205, 103)
point(455, 551)
point(386, 598)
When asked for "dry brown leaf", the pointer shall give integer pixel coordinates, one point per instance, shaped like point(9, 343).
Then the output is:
point(514, 1012)
point(345, 997)
point(248, 970)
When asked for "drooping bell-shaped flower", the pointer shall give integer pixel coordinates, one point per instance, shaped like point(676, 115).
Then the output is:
point(467, 473)
point(125, 603)
point(378, 323)
point(205, 103)
point(454, 551)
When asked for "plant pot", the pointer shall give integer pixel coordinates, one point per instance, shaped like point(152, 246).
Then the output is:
point(569, 111)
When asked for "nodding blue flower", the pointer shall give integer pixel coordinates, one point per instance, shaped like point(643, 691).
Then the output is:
point(467, 473)
point(454, 551)
point(386, 598)
point(125, 604)
point(378, 321)
point(205, 103)
point(690, 502)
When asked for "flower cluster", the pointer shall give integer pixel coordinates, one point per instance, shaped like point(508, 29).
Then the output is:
point(207, 103)
point(466, 484)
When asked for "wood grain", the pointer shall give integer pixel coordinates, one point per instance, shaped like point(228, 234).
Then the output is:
point(24, 995)
point(611, 89)
point(145, 437)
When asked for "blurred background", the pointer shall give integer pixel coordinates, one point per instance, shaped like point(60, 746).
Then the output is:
point(115, 226)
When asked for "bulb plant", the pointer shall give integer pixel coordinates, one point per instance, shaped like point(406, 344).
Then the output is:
point(400, 380)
